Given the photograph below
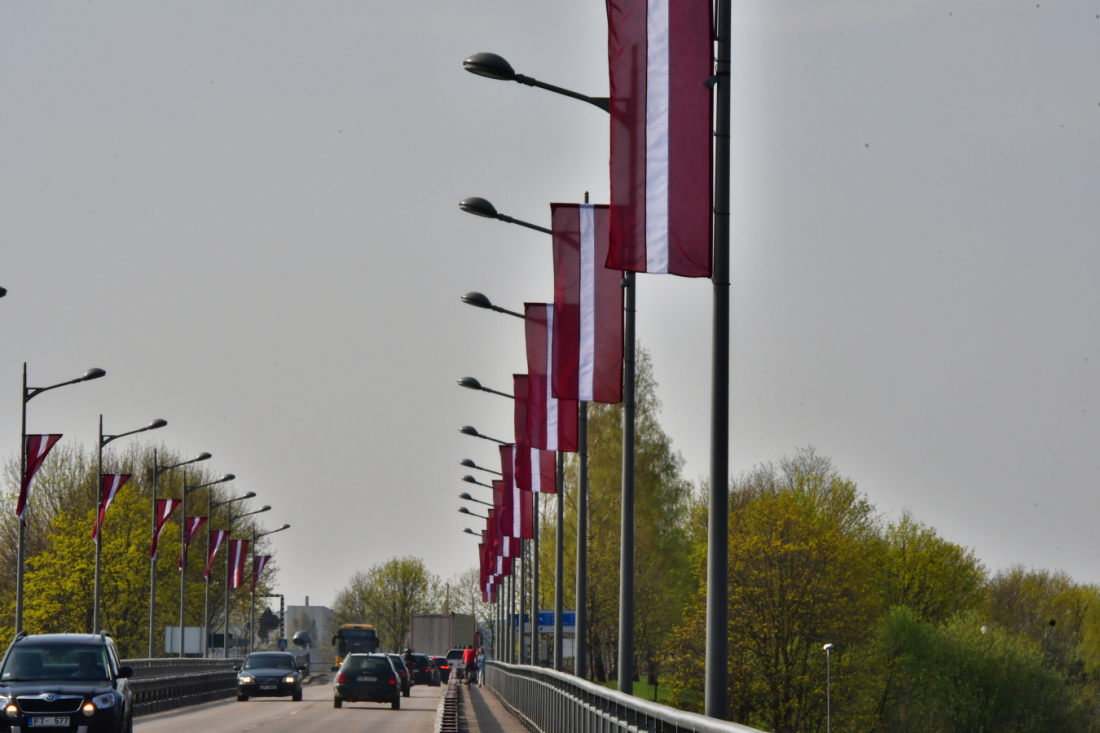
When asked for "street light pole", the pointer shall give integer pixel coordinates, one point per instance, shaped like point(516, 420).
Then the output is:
point(626, 552)
point(252, 591)
point(28, 394)
point(183, 547)
point(99, 513)
point(157, 471)
point(206, 636)
point(535, 605)
point(580, 631)
point(828, 689)
point(559, 571)
point(228, 536)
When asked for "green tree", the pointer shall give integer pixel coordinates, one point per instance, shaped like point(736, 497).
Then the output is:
point(387, 595)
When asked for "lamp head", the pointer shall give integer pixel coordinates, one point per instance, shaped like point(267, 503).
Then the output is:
point(489, 65)
point(469, 430)
point(478, 207)
point(469, 383)
point(470, 531)
point(227, 477)
point(463, 510)
point(477, 300)
point(466, 495)
point(93, 374)
point(203, 457)
point(3, 292)
point(469, 479)
point(285, 526)
point(158, 423)
point(827, 647)
point(264, 508)
point(249, 495)
point(467, 463)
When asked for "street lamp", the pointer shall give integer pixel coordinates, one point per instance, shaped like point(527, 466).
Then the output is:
point(157, 471)
point(464, 510)
point(228, 570)
point(492, 66)
point(828, 648)
point(472, 431)
point(209, 530)
point(183, 544)
point(471, 383)
point(470, 464)
point(478, 300)
point(471, 480)
point(470, 531)
point(252, 591)
point(103, 441)
point(467, 497)
point(28, 394)
point(480, 207)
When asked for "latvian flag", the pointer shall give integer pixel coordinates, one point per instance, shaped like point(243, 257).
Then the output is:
point(551, 423)
point(536, 469)
point(588, 307)
point(190, 527)
point(238, 558)
point(165, 507)
point(37, 448)
point(259, 562)
point(112, 482)
point(519, 507)
point(217, 537)
point(660, 53)
point(506, 546)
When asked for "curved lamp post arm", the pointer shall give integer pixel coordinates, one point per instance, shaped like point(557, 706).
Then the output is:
point(478, 300)
point(464, 510)
point(471, 383)
point(492, 66)
point(480, 207)
point(470, 464)
point(472, 431)
point(105, 439)
point(89, 375)
point(471, 480)
point(164, 469)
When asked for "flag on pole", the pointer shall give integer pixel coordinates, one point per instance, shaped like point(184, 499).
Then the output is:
point(536, 469)
point(588, 307)
point(112, 482)
point(190, 527)
point(165, 507)
point(238, 557)
point(660, 53)
point(519, 506)
point(217, 537)
point(551, 423)
point(259, 562)
point(37, 448)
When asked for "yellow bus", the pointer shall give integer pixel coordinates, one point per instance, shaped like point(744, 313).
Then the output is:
point(354, 639)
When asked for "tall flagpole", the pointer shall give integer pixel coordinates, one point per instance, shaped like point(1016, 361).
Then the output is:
point(183, 556)
point(153, 563)
point(535, 584)
point(716, 682)
point(99, 530)
point(580, 635)
point(26, 507)
point(559, 570)
point(626, 551)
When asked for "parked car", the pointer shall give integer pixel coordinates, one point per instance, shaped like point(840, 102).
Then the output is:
point(444, 666)
point(70, 681)
point(367, 678)
point(454, 656)
point(423, 670)
point(403, 672)
point(269, 674)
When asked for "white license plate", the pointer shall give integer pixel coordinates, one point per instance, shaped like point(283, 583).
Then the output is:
point(269, 687)
point(54, 722)
point(367, 679)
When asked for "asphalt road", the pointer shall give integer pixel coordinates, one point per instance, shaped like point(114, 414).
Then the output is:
point(313, 713)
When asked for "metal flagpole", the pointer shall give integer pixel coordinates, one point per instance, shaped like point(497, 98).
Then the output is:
point(716, 682)
point(153, 563)
point(26, 508)
point(559, 554)
point(522, 600)
point(183, 556)
point(580, 635)
point(99, 529)
point(535, 605)
point(626, 551)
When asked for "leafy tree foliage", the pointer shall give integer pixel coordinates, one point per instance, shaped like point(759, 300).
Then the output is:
point(387, 595)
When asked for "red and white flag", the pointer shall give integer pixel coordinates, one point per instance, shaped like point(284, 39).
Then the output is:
point(259, 562)
point(536, 470)
point(37, 447)
point(190, 527)
point(507, 546)
point(519, 505)
point(551, 423)
point(660, 54)
point(165, 507)
point(217, 537)
point(588, 307)
point(238, 558)
point(112, 482)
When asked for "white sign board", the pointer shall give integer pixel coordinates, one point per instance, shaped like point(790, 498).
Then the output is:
point(192, 640)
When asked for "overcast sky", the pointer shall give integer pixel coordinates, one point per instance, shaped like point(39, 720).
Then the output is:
point(247, 214)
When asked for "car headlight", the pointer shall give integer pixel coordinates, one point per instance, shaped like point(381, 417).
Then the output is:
point(290, 678)
point(104, 701)
point(245, 678)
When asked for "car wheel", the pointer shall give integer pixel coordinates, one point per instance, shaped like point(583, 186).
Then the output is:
point(405, 692)
point(337, 702)
point(242, 698)
point(297, 696)
point(396, 704)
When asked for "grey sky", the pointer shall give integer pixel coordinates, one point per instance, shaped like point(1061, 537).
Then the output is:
point(246, 213)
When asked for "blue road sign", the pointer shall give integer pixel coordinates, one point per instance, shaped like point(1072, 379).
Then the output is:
point(282, 645)
point(568, 622)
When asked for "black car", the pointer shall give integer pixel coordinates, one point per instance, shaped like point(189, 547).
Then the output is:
point(444, 666)
point(65, 682)
point(269, 674)
point(403, 673)
point(423, 670)
point(367, 678)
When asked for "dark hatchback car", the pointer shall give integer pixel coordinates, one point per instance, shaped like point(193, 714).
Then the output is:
point(269, 674)
point(367, 678)
point(65, 682)
point(444, 666)
point(402, 672)
point(423, 670)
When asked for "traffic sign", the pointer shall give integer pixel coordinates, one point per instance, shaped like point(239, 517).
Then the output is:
point(568, 622)
point(282, 645)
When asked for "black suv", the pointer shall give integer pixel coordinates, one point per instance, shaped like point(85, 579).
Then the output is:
point(65, 682)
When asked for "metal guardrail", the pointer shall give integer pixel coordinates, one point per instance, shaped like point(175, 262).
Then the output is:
point(554, 702)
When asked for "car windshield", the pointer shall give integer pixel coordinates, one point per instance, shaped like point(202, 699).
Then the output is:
point(368, 665)
point(269, 661)
point(55, 662)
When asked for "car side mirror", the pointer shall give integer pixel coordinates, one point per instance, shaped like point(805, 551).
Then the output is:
point(236, 668)
point(124, 672)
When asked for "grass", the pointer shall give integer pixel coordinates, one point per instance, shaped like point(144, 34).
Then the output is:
point(645, 692)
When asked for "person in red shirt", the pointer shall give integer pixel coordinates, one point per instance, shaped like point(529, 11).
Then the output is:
point(469, 660)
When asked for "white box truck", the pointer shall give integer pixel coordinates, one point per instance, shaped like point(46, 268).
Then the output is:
point(436, 633)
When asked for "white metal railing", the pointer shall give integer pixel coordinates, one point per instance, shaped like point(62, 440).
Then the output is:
point(554, 702)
